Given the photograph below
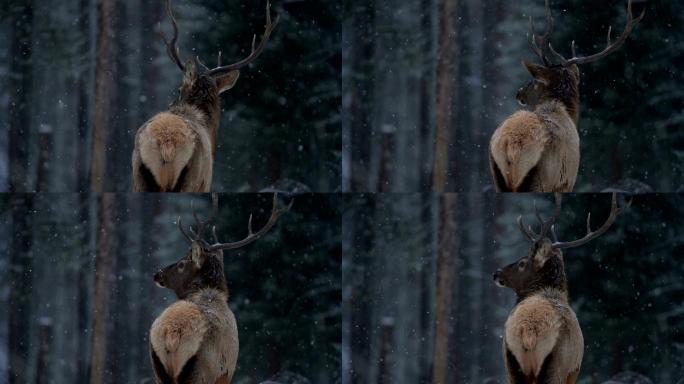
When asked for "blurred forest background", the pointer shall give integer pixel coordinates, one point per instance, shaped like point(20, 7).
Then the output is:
point(281, 122)
point(415, 70)
point(55, 249)
point(420, 305)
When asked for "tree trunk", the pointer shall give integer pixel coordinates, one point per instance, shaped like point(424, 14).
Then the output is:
point(150, 16)
point(387, 339)
point(45, 342)
point(103, 90)
point(359, 96)
point(446, 281)
point(83, 291)
point(44, 152)
point(428, 202)
point(21, 280)
point(447, 70)
point(104, 265)
point(427, 96)
point(20, 69)
point(81, 166)
point(385, 180)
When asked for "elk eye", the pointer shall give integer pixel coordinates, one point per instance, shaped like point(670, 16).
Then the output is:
point(522, 264)
point(181, 265)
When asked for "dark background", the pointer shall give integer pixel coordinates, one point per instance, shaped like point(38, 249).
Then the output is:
point(284, 288)
point(626, 287)
point(279, 123)
point(632, 102)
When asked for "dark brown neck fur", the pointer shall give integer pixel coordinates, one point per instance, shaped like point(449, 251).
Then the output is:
point(204, 96)
point(566, 90)
point(210, 276)
point(551, 276)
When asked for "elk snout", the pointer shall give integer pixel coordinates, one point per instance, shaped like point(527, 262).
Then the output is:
point(519, 97)
point(159, 278)
point(498, 280)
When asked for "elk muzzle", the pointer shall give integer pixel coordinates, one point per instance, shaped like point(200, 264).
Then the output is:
point(498, 279)
point(159, 278)
point(520, 97)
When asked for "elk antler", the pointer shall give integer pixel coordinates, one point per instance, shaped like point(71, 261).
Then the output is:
point(591, 235)
point(197, 234)
point(610, 47)
point(538, 43)
point(276, 212)
point(544, 225)
point(201, 225)
point(172, 46)
point(256, 51)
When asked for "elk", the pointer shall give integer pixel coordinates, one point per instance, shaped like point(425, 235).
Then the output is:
point(538, 150)
point(195, 340)
point(174, 150)
point(543, 341)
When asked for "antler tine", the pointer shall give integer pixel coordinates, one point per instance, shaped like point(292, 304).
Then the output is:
point(539, 218)
point(204, 66)
point(202, 224)
point(172, 47)
point(537, 43)
point(610, 46)
point(526, 230)
point(544, 225)
point(256, 51)
point(614, 212)
point(213, 233)
point(180, 226)
point(276, 212)
point(554, 238)
point(547, 224)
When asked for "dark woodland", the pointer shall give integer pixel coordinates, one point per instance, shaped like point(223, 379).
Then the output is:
point(426, 83)
point(420, 260)
point(79, 77)
point(375, 118)
point(77, 274)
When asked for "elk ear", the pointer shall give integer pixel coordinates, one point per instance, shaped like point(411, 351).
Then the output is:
point(190, 73)
point(537, 71)
point(227, 81)
point(197, 255)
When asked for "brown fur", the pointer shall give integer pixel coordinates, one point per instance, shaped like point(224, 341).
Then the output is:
point(538, 151)
point(542, 337)
point(200, 324)
point(181, 142)
point(177, 334)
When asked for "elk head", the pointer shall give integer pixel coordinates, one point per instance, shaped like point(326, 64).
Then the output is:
point(202, 265)
point(201, 85)
point(560, 80)
point(542, 266)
